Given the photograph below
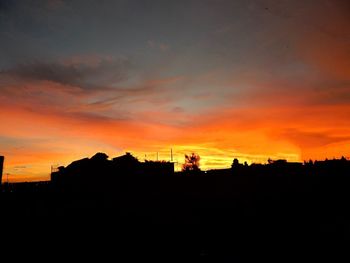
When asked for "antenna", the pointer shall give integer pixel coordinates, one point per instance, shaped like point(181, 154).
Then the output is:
point(157, 156)
point(171, 154)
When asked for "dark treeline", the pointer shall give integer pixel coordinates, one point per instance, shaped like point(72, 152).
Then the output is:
point(279, 211)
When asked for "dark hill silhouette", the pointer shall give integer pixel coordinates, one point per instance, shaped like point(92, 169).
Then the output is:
point(278, 211)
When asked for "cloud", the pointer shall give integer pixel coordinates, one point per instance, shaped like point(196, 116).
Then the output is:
point(312, 139)
point(311, 90)
point(93, 85)
point(62, 101)
point(103, 74)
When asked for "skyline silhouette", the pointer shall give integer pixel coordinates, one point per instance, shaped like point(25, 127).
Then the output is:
point(190, 165)
point(275, 211)
point(191, 162)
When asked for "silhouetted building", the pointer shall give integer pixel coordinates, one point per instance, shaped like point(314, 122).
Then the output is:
point(236, 167)
point(1, 167)
point(126, 162)
point(158, 168)
point(98, 171)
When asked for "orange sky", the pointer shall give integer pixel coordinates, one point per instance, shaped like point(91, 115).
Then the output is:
point(241, 80)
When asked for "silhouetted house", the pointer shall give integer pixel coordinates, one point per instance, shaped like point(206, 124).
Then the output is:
point(237, 168)
point(72, 174)
point(332, 167)
point(98, 171)
point(256, 169)
point(126, 165)
point(282, 167)
point(57, 173)
point(126, 161)
point(158, 168)
point(1, 167)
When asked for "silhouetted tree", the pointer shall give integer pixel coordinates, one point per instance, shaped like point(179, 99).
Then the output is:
point(191, 163)
point(235, 163)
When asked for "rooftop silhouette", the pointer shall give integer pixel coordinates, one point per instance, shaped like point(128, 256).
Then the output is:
point(99, 170)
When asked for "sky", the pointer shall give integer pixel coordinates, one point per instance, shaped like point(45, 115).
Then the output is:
point(242, 79)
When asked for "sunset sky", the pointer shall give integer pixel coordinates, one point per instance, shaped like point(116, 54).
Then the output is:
point(225, 79)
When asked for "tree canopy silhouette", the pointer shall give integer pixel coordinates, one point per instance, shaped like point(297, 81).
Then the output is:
point(191, 163)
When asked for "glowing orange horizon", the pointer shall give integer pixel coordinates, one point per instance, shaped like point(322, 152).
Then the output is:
point(218, 140)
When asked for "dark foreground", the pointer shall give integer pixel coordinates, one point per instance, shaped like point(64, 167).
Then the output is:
point(199, 218)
